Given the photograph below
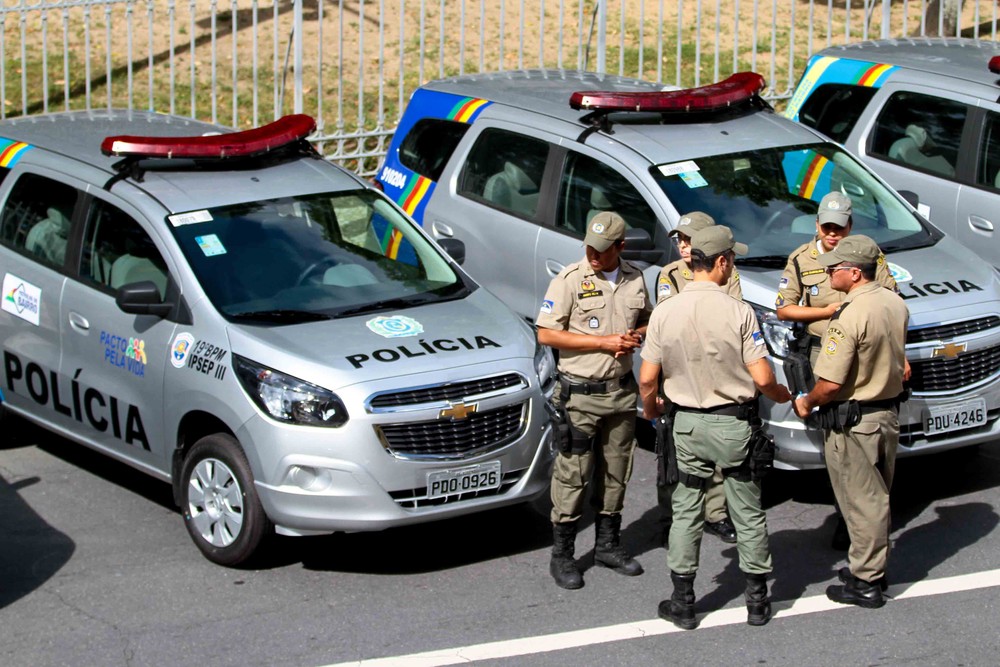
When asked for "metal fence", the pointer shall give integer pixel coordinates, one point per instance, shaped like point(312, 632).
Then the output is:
point(353, 63)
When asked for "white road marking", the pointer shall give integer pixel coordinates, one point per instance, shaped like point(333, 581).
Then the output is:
point(637, 630)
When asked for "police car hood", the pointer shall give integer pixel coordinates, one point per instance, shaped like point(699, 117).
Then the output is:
point(426, 340)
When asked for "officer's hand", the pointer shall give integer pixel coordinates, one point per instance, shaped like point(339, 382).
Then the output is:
point(783, 394)
point(800, 407)
point(907, 371)
point(830, 310)
point(619, 344)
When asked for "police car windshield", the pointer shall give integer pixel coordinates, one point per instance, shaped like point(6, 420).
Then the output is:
point(277, 261)
point(769, 198)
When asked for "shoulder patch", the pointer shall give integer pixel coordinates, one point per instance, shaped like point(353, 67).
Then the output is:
point(831, 346)
point(547, 306)
point(780, 301)
point(783, 283)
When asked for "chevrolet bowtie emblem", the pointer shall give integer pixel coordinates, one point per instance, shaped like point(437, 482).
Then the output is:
point(949, 351)
point(458, 411)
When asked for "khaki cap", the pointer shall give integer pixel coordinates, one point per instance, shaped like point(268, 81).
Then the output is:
point(834, 209)
point(604, 230)
point(715, 239)
point(691, 223)
point(856, 249)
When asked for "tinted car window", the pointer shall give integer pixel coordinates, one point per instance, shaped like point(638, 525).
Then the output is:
point(36, 218)
point(833, 109)
point(589, 187)
point(505, 170)
point(429, 145)
point(988, 173)
point(312, 257)
point(769, 198)
point(117, 251)
point(922, 132)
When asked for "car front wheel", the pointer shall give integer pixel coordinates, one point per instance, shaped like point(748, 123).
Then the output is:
point(221, 509)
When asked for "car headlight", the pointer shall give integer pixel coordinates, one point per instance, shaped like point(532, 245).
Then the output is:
point(545, 364)
point(777, 334)
point(289, 399)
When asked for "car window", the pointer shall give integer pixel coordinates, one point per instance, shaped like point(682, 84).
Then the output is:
point(117, 251)
point(834, 108)
point(988, 173)
point(919, 131)
point(429, 145)
point(769, 197)
point(504, 169)
point(589, 186)
point(325, 255)
point(36, 218)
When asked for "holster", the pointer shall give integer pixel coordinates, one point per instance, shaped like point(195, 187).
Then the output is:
point(568, 439)
point(840, 415)
point(666, 453)
point(760, 448)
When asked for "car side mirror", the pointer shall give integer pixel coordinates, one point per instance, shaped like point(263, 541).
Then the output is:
point(910, 196)
point(142, 298)
point(455, 249)
point(639, 247)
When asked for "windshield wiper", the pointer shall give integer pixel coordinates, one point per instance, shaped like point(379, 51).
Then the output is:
point(770, 261)
point(282, 316)
point(384, 305)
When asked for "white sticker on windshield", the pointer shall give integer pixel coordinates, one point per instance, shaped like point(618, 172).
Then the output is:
point(678, 168)
point(180, 219)
point(210, 245)
point(693, 179)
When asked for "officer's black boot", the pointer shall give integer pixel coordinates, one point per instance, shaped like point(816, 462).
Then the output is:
point(858, 592)
point(844, 574)
point(608, 551)
point(679, 609)
point(758, 604)
point(562, 566)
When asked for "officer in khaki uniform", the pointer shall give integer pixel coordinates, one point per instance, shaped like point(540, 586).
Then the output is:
point(710, 351)
point(672, 279)
point(595, 313)
point(858, 386)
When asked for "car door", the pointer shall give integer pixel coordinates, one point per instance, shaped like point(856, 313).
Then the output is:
point(115, 360)
point(35, 234)
point(914, 143)
point(978, 219)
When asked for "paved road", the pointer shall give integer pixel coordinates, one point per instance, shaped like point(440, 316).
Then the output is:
point(96, 569)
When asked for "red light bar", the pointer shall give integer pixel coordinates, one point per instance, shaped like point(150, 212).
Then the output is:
point(282, 132)
point(995, 64)
point(714, 97)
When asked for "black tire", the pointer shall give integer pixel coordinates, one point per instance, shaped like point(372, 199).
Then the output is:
point(11, 428)
point(221, 509)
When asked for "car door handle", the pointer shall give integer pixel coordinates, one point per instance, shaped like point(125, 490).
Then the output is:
point(79, 322)
point(553, 267)
point(441, 229)
point(980, 223)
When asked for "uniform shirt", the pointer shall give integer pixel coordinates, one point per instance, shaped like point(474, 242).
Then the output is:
point(674, 276)
point(811, 286)
point(703, 339)
point(580, 301)
point(863, 348)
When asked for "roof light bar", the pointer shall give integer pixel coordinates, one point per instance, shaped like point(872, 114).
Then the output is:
point(738, 88)
point(995, 64)
point(282, 132)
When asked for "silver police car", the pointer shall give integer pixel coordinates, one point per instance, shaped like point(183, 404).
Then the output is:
point(521, 161)
point(233, 314)
point(925, 115)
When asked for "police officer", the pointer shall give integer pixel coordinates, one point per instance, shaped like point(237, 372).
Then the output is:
point(710, 351)
point(858, 387)
point(806, 295)
point(595, 313)
point(672, 279)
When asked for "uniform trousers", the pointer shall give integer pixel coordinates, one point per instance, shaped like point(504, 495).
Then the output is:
point(610, 419)
point(715, 499)
point(861, 461)
point(704, 442)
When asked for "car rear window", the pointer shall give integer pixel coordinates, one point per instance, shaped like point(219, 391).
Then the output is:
point(429, 145)
point(834, 108)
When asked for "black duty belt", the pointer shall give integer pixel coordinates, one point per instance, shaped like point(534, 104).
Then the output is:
point(603, 387)
point(875, 406)
point(728, 410)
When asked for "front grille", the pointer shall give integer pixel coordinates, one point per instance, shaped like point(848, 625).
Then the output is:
point(953, 330)
point(952, 374)
point(456, 391)
point(442, 438)
point(417, 498)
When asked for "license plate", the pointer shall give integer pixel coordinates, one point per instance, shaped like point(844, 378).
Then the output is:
point(481, 477)
point(955, 417)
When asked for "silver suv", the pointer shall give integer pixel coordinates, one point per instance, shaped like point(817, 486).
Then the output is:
point(265, 331)
point(514, 164)
point(925, 115)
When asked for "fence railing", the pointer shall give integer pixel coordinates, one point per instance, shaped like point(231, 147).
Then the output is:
point(354, 63)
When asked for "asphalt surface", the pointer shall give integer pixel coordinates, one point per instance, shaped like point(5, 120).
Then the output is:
point(96, 568)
